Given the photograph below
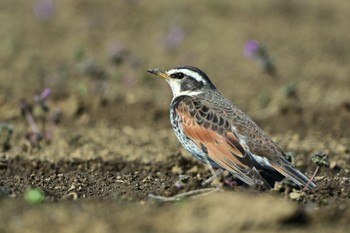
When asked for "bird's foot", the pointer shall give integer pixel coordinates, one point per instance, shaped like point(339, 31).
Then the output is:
point(216, 174)
point(258, 179)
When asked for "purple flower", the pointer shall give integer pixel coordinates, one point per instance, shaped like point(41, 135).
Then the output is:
point(43, 96)
point(41, 99)
point(254, 50)
point(44, 9)
point(174, 37)
point(46, 93)
point(251, 48)
point(179, 184)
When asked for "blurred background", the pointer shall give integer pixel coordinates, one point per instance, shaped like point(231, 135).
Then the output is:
point(64, 44)
point(283, 62)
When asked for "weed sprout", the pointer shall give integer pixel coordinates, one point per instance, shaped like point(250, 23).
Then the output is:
point(9, 128)
point(97, 75)
point(41, 99)
point(39, 113)
point(34, 196)
point(291, 90)
point(34, 135)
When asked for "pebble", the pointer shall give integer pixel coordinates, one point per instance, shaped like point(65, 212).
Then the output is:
point(296, 195)
point(176, 170)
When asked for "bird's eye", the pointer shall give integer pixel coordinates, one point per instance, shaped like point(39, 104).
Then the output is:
point(178, 75)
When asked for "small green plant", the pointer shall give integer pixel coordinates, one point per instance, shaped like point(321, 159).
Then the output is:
point(290, 156)
point(34, 196)
point(98, 78)
point(79, 53)
point(264, 99)
point(83, 89)
point(290, 90)
point(320, 159)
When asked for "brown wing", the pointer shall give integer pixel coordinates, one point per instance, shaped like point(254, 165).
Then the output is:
point(206, 129)
point(259, 142)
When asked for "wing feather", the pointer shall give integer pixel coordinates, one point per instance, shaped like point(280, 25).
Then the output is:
point(210, 127)
point(221, 148)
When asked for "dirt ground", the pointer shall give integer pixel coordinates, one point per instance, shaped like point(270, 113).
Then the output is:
point(105, 150)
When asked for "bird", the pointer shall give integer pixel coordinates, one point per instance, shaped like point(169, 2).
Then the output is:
point(218, 133)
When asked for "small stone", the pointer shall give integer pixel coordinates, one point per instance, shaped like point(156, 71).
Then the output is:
point(176, 170)
point(278, 186)
point(71, 188)
point(299, 163)
point(332, 164)
point(296, 195)
point(71, 196)
point(319, 178)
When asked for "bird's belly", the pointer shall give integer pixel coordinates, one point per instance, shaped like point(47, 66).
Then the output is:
point(187, 143)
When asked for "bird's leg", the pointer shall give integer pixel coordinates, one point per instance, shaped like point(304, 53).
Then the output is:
point(214, 173)
point(258, 179)
point(210, 166)
point(311, 178)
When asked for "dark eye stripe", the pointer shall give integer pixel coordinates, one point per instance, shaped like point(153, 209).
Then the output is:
point(178, 75)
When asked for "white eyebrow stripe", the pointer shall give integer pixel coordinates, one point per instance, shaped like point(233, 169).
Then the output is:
point(187, 72)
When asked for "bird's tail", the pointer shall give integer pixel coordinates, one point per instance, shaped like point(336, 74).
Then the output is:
point(294, 175)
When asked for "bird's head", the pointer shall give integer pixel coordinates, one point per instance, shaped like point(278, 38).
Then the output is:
point(185, 80)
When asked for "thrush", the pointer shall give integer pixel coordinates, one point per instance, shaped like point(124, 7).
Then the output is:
point(218, 133)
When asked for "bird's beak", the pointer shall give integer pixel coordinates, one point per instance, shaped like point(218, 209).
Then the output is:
point(159, 72)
